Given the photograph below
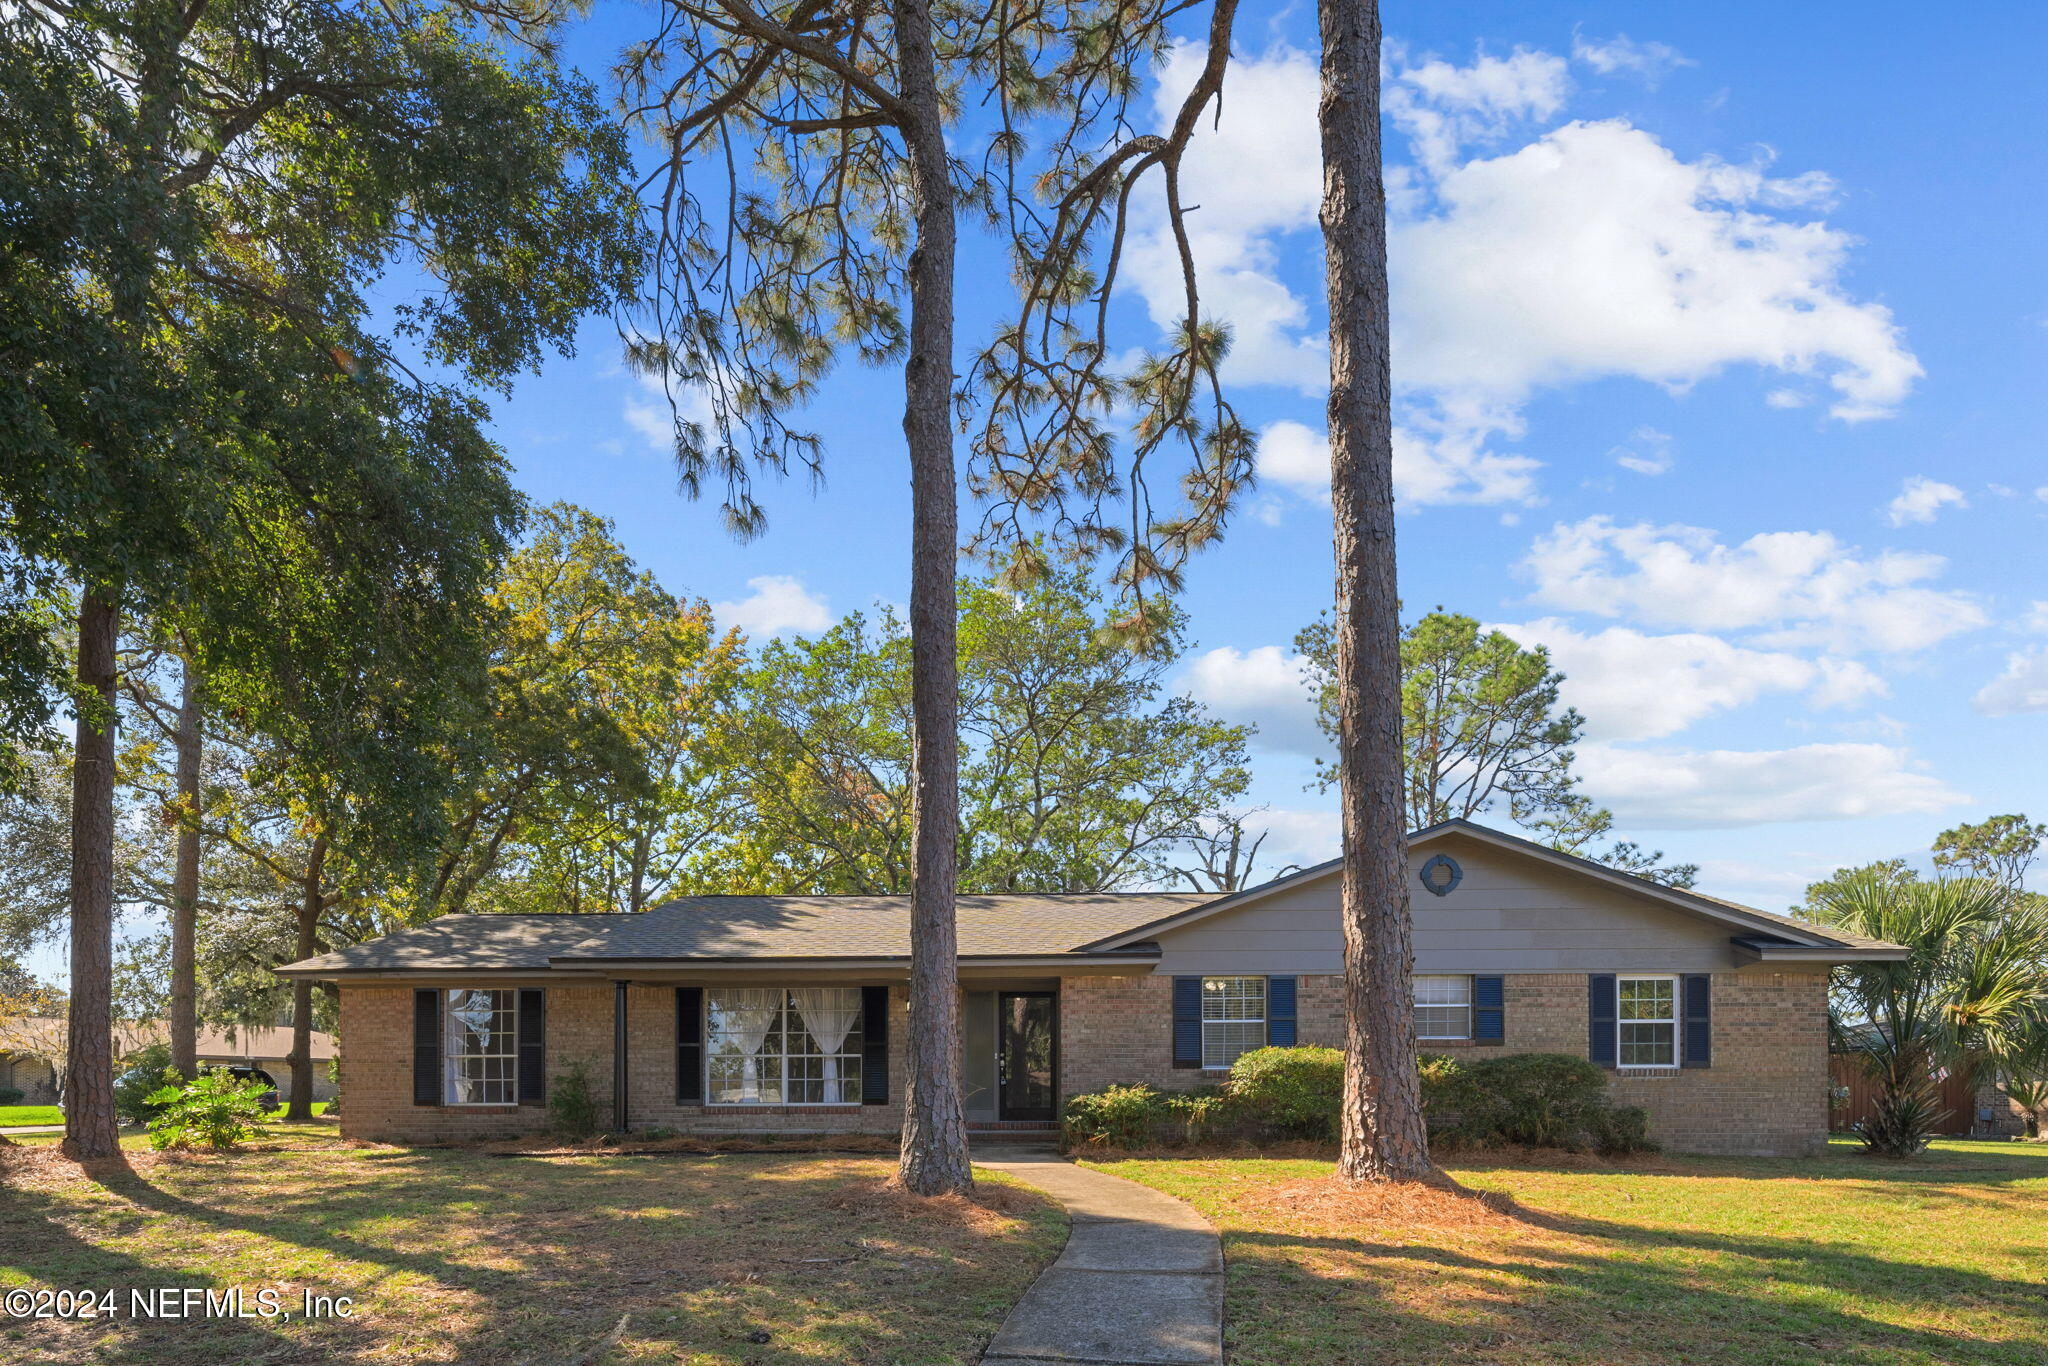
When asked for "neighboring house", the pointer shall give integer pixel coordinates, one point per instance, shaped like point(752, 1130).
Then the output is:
point(264, 1046)
point(786, 1013)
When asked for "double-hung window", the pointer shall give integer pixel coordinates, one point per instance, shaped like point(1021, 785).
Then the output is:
point(1443, 1006)
point(1648, 1021)
point(1233, 1018)
point(480, 1047)
point(782, 1046)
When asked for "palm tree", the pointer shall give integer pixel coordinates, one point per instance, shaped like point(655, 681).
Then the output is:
point(2022, 1071)
point(1974, 977)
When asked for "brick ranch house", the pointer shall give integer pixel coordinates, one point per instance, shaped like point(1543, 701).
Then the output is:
point(783, 1013)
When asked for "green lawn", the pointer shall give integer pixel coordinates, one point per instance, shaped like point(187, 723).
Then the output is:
point(1835, 1261)
point(50, 1114)
point(459, 1256)
point(30, 1114)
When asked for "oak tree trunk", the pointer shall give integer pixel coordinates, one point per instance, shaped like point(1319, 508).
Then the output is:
point(185, 883)
point(311, 902)
point(1383, 1137)
point(934, 1154)
point(90, 1129)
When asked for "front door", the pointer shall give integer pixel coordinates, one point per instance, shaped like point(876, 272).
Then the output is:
point(1028, 1024)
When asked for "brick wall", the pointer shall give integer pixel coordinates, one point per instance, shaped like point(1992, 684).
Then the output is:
point(376, 1073)
point(1765, 1093)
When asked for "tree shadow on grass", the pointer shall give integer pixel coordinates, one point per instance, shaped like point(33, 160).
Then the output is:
point(538, 1261)
point(1610, 1291)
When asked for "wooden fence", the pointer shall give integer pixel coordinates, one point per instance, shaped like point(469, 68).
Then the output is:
point(1845, 1071)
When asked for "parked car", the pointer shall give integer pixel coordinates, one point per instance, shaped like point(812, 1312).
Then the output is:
point(270, 1096)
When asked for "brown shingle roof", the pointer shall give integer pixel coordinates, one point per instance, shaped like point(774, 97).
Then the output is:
point(740, 927)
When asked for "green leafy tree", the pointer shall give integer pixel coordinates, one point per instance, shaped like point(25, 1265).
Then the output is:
point(207, 415)
point(603, 771)
point(2021, 1069)
point(1482, 730)
point(1082, 772)
point(2002, 848)
point(1969, 989)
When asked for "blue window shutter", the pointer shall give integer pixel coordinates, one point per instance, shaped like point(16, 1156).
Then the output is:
point(1489, 1010)
point(689, 1045)
point(1187, 1022)
point(1699, 1021)
point(1601, 1010)
point(426, 1047)
point(874, 1045)
point(1280, 1012)
point(533, 1046)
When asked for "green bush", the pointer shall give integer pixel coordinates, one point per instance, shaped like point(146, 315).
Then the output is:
point(1197, 1114)
point(572, 1108)
point(1542, 1100)
point(1289, 1092)
point(1116, 1117)
point(213, 1111)
point(11, 1095)
point(149, 1070)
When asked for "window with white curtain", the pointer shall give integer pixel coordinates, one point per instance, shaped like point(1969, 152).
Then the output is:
point(480, 1047)
point(1233, 1018)
point(782, 1046)
point(1443, 1006)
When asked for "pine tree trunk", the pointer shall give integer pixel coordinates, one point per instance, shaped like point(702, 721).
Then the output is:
point(1383, 1137)
point(934, 1154)
point(90, 1129)
point(185, 883)
point(310, 903)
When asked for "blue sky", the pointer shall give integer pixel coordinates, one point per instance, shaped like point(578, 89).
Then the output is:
point(1720, 339)
point(1721, 336)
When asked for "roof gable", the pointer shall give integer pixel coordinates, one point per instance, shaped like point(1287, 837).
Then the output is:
point(1739, 921)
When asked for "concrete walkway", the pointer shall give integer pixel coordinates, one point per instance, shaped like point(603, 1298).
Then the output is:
point(1139, 1284)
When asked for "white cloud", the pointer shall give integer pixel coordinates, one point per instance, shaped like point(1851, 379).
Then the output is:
point(2036, 618)
point(1633, 686)
point(1296, 455)
point(1648, 62)
point(1719, 789)
point(2022, 687)
point(1785, 398)
point(2042, 493)
point(1302, 837)
point(1920, 498)
point(1801, 587)
point(1443, 107)
point(648, 413)
point(779, 603)
point(1265, 686)
point(1648, 452)
point(1592, 251)
point(1596, 252)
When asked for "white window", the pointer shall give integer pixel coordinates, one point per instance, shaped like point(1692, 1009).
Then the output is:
point(1648, 1021)
point(1443, 1007)
point(480, 1047)
point(779, 1046)
point(1233, 1018)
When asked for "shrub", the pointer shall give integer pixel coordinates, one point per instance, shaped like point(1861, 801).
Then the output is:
point(1197, 1113)
point(149, 1071)
point(212, 1111)
point(1290, 1092)
point(1617, 1129)
point(572, 1108)
point(1115, 1117)
point(11, 1095)
point(1542, 1100)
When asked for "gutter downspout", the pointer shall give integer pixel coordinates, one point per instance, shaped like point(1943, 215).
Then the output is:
point(619, 1057)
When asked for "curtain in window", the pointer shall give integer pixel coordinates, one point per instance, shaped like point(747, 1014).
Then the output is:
point(829, 1014)
point(744, 1015)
